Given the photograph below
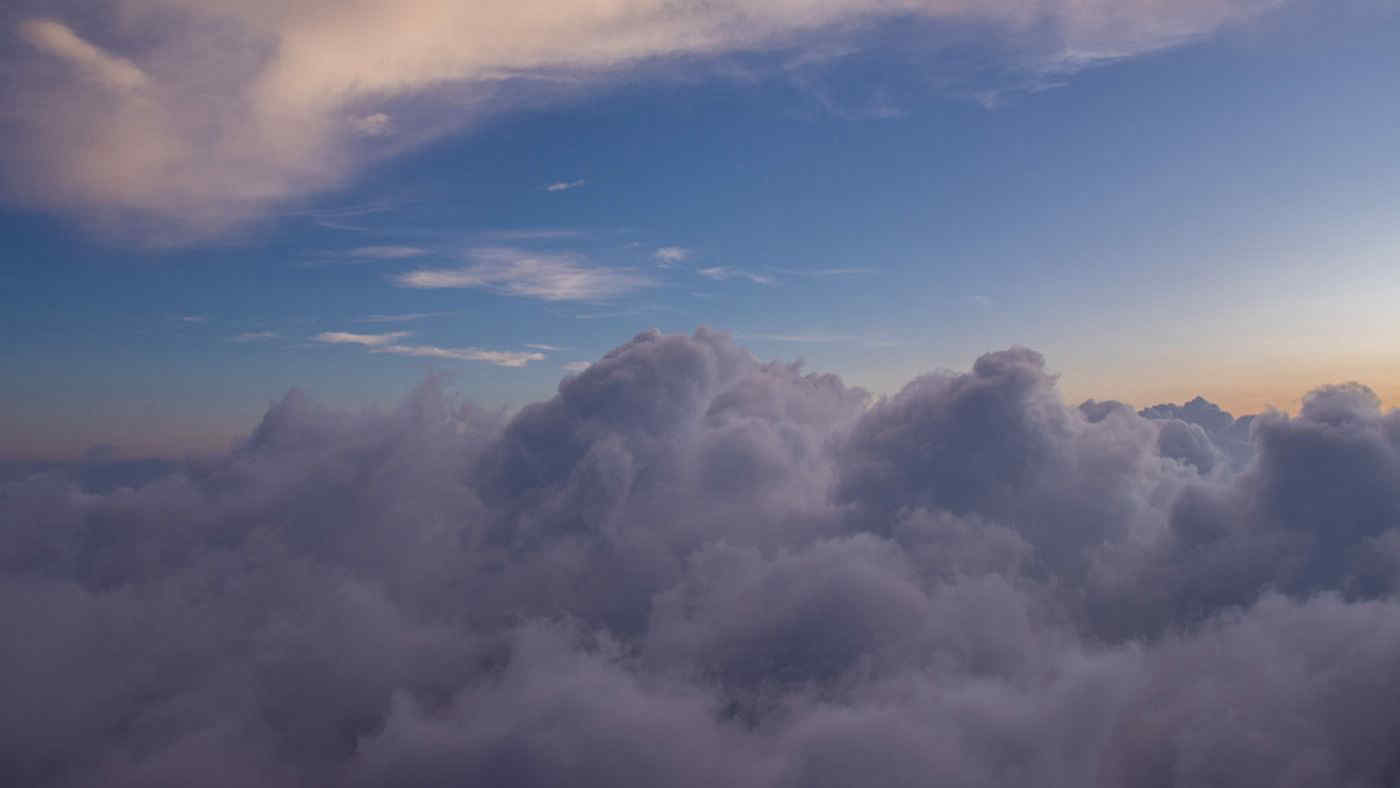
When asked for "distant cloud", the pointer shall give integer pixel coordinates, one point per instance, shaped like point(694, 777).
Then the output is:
point(546, 348)
point(368, 340)
point(721, 273)
point(516, 272)
point(670, 255)
point(577, 366)
point(388, 252)
point(403, 318)
point(378, 124)
point(194, 319)
point(501, 358)
point(254, 336)
point(211, 114)
point(563, 186)
point(59, 40)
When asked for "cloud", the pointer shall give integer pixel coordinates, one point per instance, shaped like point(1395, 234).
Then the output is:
point(516, 272)
point(692, 567)
point(501, 358)
point(194, 319)
point(722, 273)
point(388, 252)
point(563, 186)
point(181, 119)
point(254, 336)
point(576, 366)
point(368, 340)
point(407, 317)
point(670, 255)
point(59, 40)
point(377, 124)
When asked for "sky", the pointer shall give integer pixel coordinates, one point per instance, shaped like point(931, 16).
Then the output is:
point(208, 204)
point(770, 394)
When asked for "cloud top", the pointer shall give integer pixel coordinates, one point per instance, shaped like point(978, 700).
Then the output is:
point(692, 567)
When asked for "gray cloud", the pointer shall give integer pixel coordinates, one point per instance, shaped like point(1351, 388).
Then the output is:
point(691, 567)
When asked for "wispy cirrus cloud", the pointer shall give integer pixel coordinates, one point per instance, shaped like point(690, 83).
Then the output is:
point(525, 274)
point(387, 252)
point(368, 340)
point(389, 343)
point(721, 273)
point(90, 61)
point(254, 336)
point(408, 317)
point(563, 186)
point(185, 118)
point(501, 358)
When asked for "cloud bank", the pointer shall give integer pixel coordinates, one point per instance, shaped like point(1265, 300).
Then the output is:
point(170, 120)
point(690, 567)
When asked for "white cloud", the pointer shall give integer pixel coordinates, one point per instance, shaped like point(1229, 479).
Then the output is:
point(368, 340)
point(501, 358)
point(577, 366)
point(516, 272)
point(670, 255)
point(214, 112)
point(722, 273)
point(254, 336)
point(59, 40)
point(546, 348)
point(563, 186)
point(388, 252)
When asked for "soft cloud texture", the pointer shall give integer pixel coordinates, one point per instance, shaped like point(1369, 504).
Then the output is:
point(543, 276)
point(722, 273)
point(670, 255)
point(501, 358)
point(368, 340)
point(168, 120)
point(690, 567)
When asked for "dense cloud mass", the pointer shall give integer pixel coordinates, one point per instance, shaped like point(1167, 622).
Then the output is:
point(693, 568)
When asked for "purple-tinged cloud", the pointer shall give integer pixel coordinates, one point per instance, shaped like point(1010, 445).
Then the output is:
point(691, 567)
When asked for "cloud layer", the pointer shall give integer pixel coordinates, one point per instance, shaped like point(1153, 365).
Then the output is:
point(175, 119)
point(690, 567)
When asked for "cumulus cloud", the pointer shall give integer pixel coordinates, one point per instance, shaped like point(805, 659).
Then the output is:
point(693, 567)
point(177, 119)
point(526, 274)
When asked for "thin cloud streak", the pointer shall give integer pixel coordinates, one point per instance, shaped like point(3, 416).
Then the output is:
point(255, 336)
point(722, 273)
point(388, 252)
point(501, 358)
point(368, 340)
point(524, 274)
point(563, 186)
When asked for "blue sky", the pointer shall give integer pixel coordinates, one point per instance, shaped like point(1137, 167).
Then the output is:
point(1209, 213)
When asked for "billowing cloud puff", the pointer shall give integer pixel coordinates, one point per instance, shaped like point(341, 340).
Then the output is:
point(691, 567)
point(175, 119)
